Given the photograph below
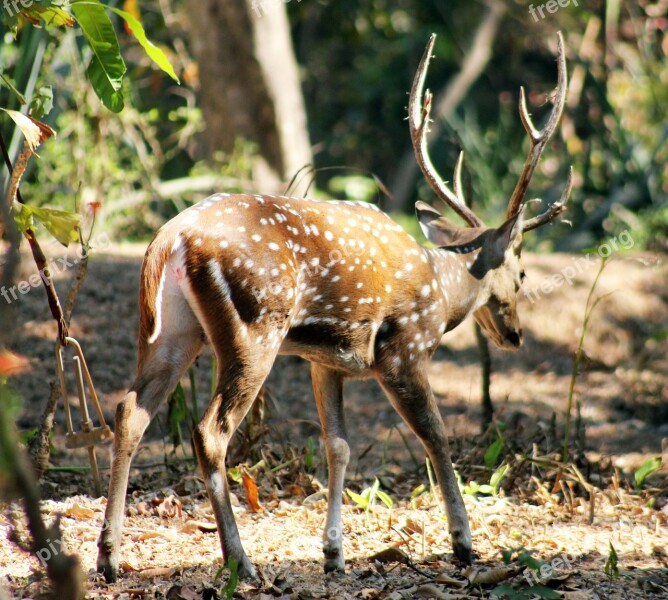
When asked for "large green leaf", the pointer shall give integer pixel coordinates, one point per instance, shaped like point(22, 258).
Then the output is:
point(106, 68)
point(153, 52)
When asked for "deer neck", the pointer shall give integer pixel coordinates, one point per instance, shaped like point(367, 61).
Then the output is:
point(462, 291)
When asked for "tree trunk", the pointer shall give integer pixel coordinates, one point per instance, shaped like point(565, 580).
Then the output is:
point(249, 84)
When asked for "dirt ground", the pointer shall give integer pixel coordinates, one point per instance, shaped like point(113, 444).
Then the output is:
point(170, 548)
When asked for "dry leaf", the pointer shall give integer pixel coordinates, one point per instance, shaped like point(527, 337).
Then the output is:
point(76, 511)
point(182, 592)
point(369, 593)
point(444, 578)
point(169, 507)
point(195, 526)
point(34, 131)
point(412, 526)
point(166, 572)
point(251, 491)
point(391, 555)
point(491, 576)
point(126, 567)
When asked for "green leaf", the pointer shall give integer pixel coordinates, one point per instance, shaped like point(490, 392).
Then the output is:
point(420, 489)
point(507, 591)
point(42, 102)
point(543, 591)
point(153, 52)
point(492, 453)
point(310, 454)
point(611, 565)
point(361, 501)
point(526, 558)
point(10, 18)
point(62, 225)
point(176, 414)
point(12, 87)
point(230, 587)
point(372, 492)
point(385, 498)
point(645, 470)
point(507, 555)
point(235, 474)
point(497, 477)
point(106, 68)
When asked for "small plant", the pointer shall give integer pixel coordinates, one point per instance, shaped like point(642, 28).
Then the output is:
point(309, 457)
point(611, 565)
point(534, 569)
point(367, 498)
point(473, 488)
point(233, 582)
point(589, 309)
point(493, 453)
point(645, 470)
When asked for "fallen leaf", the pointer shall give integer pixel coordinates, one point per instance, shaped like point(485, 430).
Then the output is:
point(195, 526)
point(251, 491)
point(76, 511)
point(158, 572)
point(182, 592)
point(391, 555)
point(126, 567)
point(444, 578)
point(491, 576)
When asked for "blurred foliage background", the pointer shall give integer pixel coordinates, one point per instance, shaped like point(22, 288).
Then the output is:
point(356, 60)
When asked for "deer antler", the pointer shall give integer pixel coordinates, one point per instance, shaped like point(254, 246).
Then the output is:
point(418, 118)
point(539, 140)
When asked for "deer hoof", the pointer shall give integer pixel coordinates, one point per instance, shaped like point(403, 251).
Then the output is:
point(108, 566)
point(246, 570)
point(463, 552)
point(334, 560)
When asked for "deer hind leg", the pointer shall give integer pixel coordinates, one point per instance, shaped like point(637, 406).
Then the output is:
point(327, 386)
point(159, 370)
point(240, 380)
point(411, 395)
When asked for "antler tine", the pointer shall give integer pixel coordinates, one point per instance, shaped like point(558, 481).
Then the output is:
point(457, 179)
point(418, 118)
point(539, 139)
point(556, 208)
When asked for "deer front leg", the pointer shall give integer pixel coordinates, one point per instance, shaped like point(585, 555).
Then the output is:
point(411, 395)
point(327, 386)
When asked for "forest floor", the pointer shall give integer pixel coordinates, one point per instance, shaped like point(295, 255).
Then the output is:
point(568, 518)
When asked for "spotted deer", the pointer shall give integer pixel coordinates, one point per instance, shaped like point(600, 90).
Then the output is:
point(337, 283)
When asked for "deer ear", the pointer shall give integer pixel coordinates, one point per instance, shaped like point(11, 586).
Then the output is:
point(443, 232)
point(509, 235)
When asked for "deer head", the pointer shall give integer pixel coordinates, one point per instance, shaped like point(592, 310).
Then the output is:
point(496, 252)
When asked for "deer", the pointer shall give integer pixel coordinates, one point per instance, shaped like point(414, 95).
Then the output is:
point(339, 284)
